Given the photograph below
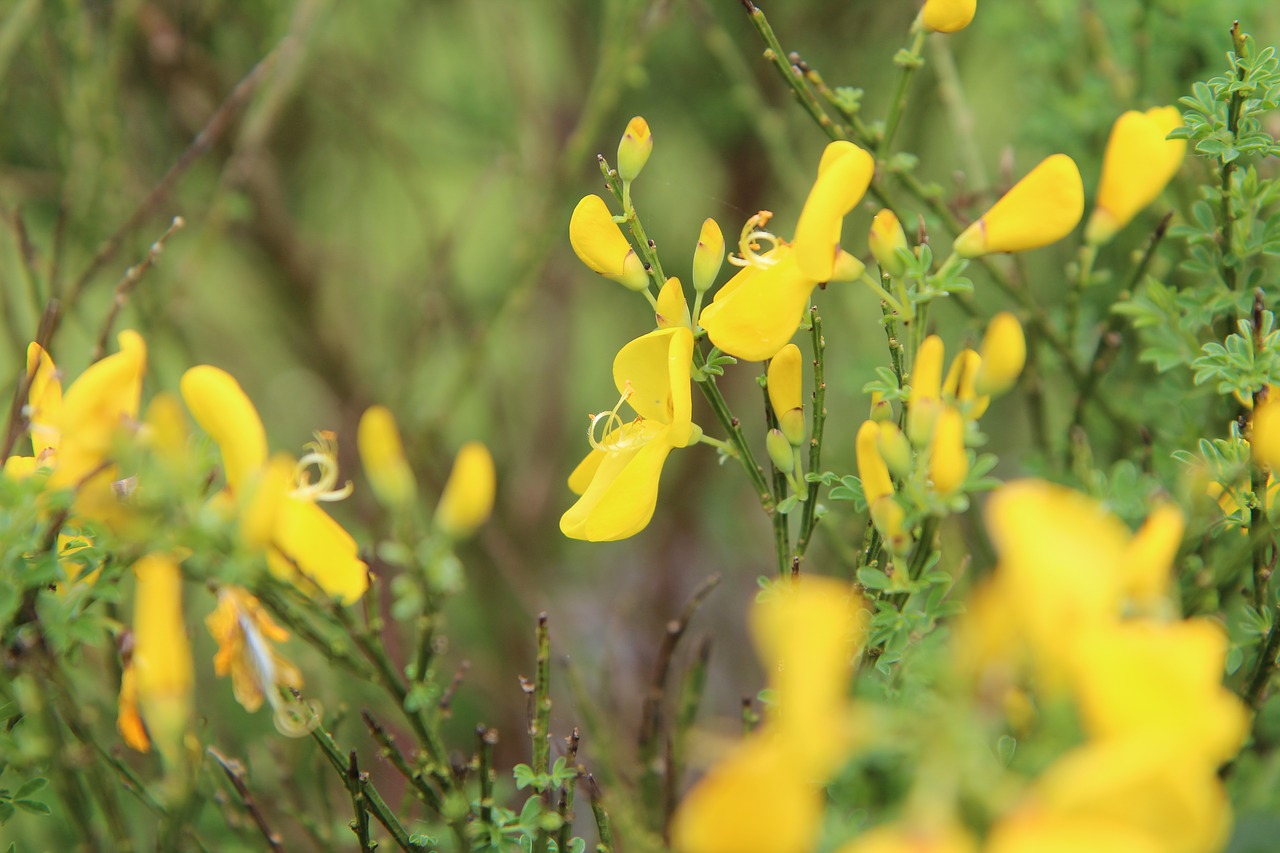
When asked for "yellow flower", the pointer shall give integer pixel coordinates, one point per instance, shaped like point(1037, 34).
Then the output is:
point(246, 635)
point(1003, 353)
point(1143, 678)
point(382, 455)
point(598, 243)
point(844, 173)
point(1264, 439)
point(886, 239)
point(157, 687)
point(765, 795)
point(960, 385)
point(1148, 560)
point(708, 256)
point(1036, 832)
point(948, 461)
point(618, 480)
point(304, 539)
point(467, 499)
point(1042, 208)
point(925, 398)
point(1138, 164)
point(759, 309)
point(877, 488)
point(948, 16)
point(672, 309)
point(634, 149)
point(785, 384)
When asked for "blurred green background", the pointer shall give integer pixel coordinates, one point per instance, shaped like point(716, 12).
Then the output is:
point(382, 217)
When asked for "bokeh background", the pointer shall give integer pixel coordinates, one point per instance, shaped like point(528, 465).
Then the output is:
point(381, 216)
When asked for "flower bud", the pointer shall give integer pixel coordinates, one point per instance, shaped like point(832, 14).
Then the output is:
point(780, 451)
point(888, 516)
point(894, 449)
point(708, 256)
point(948, 16)
point(673, 310)
point(163, 674)
point(634, 149)
point(785, 380)
point(847, 267)
point(958, 387)
point(1042, 208)
point(948, 461)
point(923, 401)
point(881, 409)
point(382, 455)
point(1139, 163)
point(598, 242)
point(1003, 353)
point(468, 495)
point(885, 239)
point(872, 470)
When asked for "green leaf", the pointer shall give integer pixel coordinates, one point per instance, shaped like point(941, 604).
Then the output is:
point(30, 787)
point(872, 578)
point(32, 807)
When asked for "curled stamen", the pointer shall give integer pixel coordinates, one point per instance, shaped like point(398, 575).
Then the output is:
point(752, 235)
point(323, 454)
point(612, 424)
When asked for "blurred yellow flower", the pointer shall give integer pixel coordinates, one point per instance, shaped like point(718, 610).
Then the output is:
point(382, 456)
point(158, 683)
point(1003, 353)
point(304, 539)
point(948, 461)
point(908, 838)
point(618, 480)
point(1264, 437)
point(948, 16)
point(467, 499)
point(598, 243)
point(1042, 208)
point(924, 400)
point(1138, 164)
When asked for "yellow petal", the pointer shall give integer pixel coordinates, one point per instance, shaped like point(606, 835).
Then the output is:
point(224, 411)
point(267, 490)
point(467, 499)
point(948, 16)
point(656, 367)
point(843, 177)
point(1004, 354)
point(758, 312)
point(924, 399)
point(708, 256)
point(948, 461)
point(1264, 440)
point(307, 540)
point(1042, 208)
point(786, 380)
point(623, 494)
point(872, 470)
point(1160, 679)
point(162, 669)
point(1036, 832)
point(886, 239)
point(905, 838)
point(45, 399)
point(167, 433)
point(382, 455)
point(582, 475)
point(598, 243)
point(673, 310)
point(753, 801)
point(1137, 166)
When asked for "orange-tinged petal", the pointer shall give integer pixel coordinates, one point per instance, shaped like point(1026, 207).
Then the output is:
point(309, 541)
point(843, 177)
point(1042, 208)
point(1138, 164)
point(224, 411)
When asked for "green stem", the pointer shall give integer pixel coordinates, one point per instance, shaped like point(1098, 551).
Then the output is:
point(790, 74)
point(1266, 664)
point(1227, 214)
point(365, 799)
point(884, 294)
point(731, 426)
point(809, 518)
point(908, 64)
point(1078, 285)
point(539, 725)
point(781, 528)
